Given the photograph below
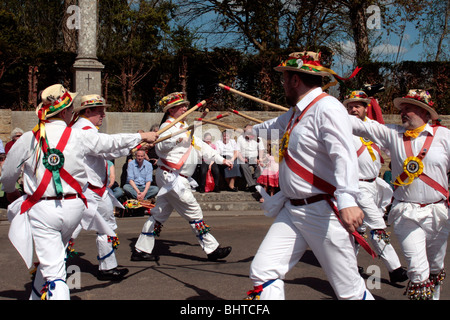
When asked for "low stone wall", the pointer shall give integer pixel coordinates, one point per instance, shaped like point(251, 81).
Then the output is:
point(130, 122)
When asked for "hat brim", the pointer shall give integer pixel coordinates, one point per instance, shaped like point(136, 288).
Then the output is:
point(178, 103)
point(72, 96)
point(347, 101)
point(77, 110)
point(399, 101)
point(314, 73)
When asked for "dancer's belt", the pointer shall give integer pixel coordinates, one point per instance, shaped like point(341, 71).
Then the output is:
point(313, 199)
point(367, 180)
point(65, 197)
point(170, 170)
point(425, 204)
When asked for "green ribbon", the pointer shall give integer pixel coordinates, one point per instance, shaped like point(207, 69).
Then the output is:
point(54, 160)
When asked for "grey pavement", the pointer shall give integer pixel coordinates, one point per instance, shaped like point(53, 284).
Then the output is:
point(183, 272)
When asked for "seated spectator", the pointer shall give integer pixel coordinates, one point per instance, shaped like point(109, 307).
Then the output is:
point(151, 153)
point(139, 178)
point(15, 135)
point(229, 150)
point(270, 171)
point(251, 149)
point(113, 185)
point(209, 165)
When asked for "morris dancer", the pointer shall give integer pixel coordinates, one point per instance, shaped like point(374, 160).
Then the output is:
point(307, 211)
point(420, 160)
point(54, 175)
point(178, 157)
point(375, 194)
point(91, 114)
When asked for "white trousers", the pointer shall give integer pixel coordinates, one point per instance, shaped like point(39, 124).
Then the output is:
point(185, 204)
point(423, 234)
point(294, 230)
point(370, 203)
point(52, 225)
point(106, 255)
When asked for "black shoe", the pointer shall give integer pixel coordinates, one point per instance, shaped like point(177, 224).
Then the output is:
point(216, 190)
point(360, 270)
point(398, 275)
point(143, 256)
point(112, 275)
point(219, 253)
point(232, 190)
point(251, 189)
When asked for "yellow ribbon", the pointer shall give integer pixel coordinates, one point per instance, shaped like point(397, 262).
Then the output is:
point(368, 144)
point(414, 133)
point(284, 145)
point(412, 172)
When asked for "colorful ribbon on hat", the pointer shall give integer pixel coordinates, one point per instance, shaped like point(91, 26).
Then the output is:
point(56, 105)
point(307, 63)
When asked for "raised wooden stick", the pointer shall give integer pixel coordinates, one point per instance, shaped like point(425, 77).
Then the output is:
point(245, 95)
point(180, 118)
point(246, 116)
point(219, 124)
point(193, 126)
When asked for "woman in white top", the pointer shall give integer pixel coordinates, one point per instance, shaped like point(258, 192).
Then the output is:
point(228, 148)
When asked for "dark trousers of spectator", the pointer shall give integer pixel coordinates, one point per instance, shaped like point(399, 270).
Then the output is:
point(215, 173)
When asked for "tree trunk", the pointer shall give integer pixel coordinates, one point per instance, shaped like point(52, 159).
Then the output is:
point(444, 32)
point(360, 34)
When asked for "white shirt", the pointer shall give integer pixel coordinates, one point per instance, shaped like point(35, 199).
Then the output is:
point(227, 149)
point(96, 164)
point(322, 143)
point(249, 148)
point(80, 144)
point(436, 162)
point(173, 151)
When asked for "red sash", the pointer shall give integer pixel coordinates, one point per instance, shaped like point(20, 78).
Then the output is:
point(37, 195)
point(423, 152)
point(320, 183)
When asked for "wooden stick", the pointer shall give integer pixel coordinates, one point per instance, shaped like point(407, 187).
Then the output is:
point(192, 126)
point(182, 117)
point(246, 116)
point(219, 124)
point(245, 95)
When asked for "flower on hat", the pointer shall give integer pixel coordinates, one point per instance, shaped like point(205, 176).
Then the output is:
point(421, 95)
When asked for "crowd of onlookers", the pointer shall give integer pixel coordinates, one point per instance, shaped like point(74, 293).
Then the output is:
point(255, 163)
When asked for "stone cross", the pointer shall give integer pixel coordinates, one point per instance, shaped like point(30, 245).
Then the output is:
point(87, 69)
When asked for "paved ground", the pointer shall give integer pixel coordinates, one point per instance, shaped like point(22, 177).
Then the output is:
point(184, 273)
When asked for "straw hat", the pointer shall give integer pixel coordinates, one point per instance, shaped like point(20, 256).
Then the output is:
point(91, 101)
point(420, 98)
point(172, 100)
point(305, 61)
point(54, 99)
point(356, 95)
